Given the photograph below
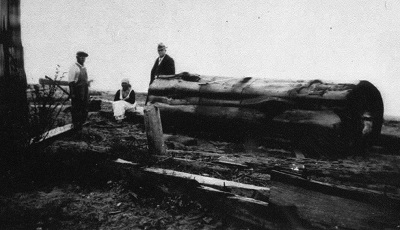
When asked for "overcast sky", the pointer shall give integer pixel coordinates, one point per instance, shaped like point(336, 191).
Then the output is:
point(310, 39)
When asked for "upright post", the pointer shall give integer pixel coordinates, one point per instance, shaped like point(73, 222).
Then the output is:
point(152, 121)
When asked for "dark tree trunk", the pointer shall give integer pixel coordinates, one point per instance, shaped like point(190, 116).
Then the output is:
point(13, 100)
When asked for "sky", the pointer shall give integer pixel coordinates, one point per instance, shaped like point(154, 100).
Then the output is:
point(340, 40)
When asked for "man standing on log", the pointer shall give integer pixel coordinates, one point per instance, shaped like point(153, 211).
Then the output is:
point(164, 64)
point(79, 90)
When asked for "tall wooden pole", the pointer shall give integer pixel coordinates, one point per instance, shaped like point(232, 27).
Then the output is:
point(13, 99)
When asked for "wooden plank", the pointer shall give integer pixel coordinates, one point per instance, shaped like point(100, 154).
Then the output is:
point(246, 209)
point(154, 130)
point(234, 196)
point(196, 166)
point(53, 133)
point(205, 180)
point(249, 210)
point(202, 153)
point(231, 163)
point(122, 161)
point(49, 81)
point(260, 193)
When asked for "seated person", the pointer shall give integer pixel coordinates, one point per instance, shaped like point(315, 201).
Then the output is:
point(124, 100)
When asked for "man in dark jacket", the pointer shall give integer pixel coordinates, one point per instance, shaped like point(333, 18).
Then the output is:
point(164, 64)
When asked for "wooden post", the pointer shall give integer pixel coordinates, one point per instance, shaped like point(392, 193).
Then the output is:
point(152, 121)
point(14, 110)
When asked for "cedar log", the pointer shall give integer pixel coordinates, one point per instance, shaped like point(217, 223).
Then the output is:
point(351, 114)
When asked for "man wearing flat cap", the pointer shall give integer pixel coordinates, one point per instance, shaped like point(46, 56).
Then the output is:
point(79, 90)
point(164, 64)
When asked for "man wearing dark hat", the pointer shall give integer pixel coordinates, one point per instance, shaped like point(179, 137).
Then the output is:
point(164, 64)
point(79, 90)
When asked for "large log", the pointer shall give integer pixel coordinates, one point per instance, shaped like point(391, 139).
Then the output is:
point(352, 113)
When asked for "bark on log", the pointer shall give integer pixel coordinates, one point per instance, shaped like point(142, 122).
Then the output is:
point(353, 111)
point(14, 109)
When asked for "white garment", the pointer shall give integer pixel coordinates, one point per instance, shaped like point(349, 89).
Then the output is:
point(74, 72)
point(120, 107)
point(122, 97)
point(160, 59)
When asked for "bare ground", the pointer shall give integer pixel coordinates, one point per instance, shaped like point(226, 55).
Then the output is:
point(74, 184)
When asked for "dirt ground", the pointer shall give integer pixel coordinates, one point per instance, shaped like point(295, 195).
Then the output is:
point(73, 183)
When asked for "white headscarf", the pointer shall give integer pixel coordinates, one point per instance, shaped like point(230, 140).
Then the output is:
point(125, 80)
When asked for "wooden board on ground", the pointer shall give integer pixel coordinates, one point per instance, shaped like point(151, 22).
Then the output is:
point(53, 133)
point(252, 191)
point(249, 210)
